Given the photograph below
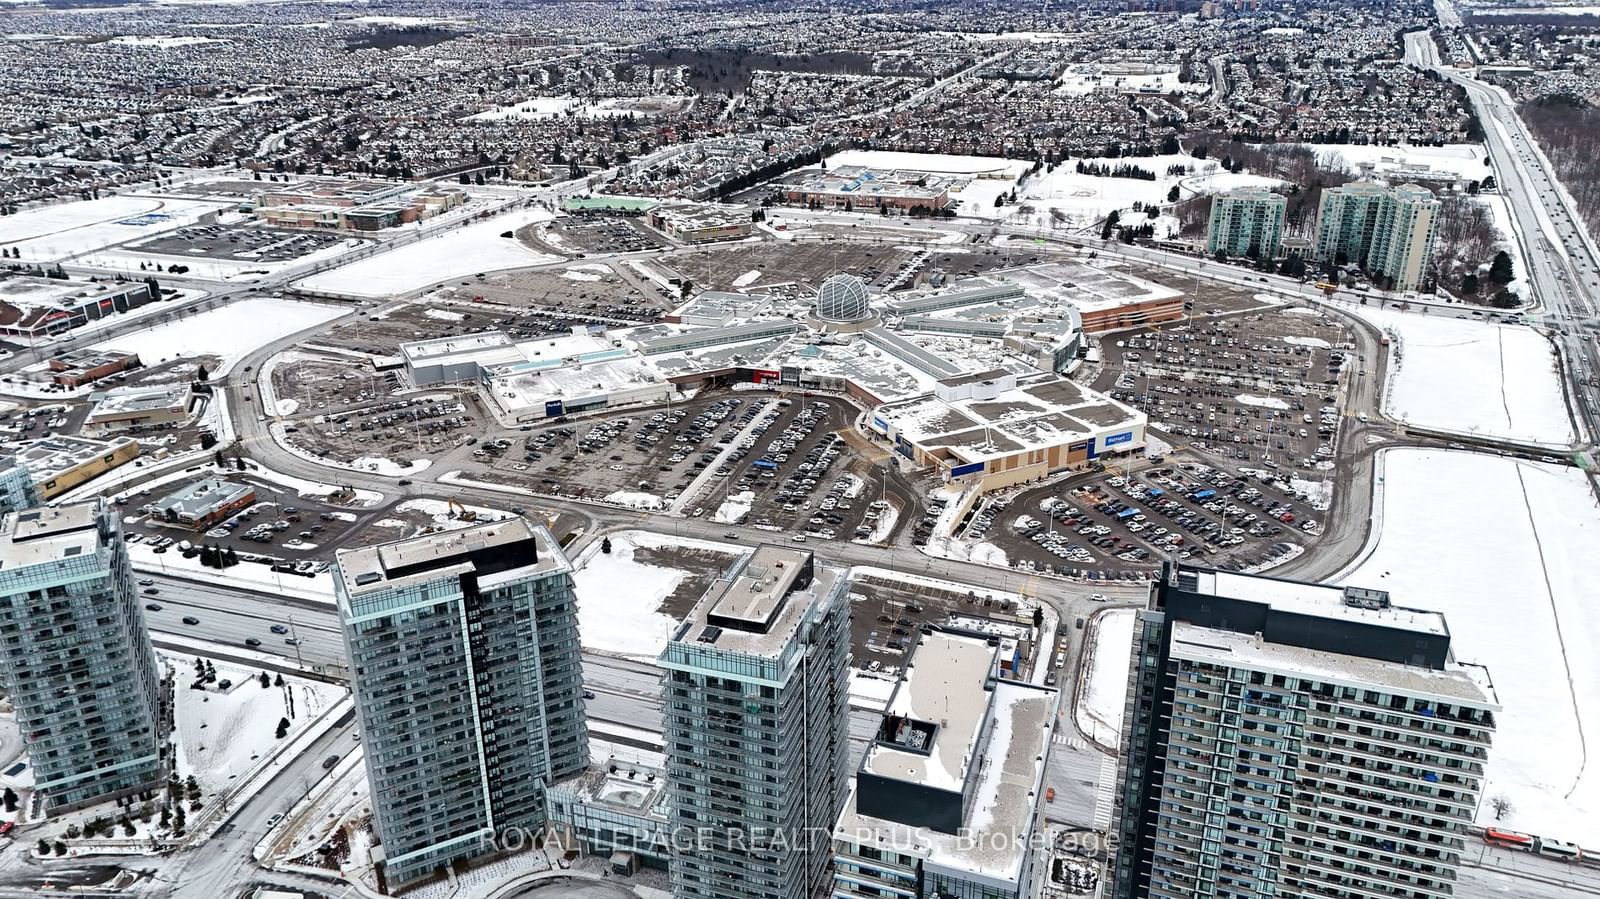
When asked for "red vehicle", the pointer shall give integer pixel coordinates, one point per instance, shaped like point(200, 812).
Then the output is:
point(1510, 839)
point(6, 826)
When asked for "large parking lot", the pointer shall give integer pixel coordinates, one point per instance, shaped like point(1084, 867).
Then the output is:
point(546, 301)
point(584, 234)
point(403, 429)
point(805, 263)
point(1260, 388)
point(239, 244)
point(754, 458)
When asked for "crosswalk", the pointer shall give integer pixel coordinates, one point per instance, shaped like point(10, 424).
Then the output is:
point(1069, 741)
point(1105, 793)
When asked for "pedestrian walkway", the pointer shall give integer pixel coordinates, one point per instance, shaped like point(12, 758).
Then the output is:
point(1105, 794)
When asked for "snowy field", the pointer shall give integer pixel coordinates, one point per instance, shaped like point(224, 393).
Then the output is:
point(228, 332)
point(1463, 160)
point(1069, 199)
point(1507, 550)
point(49, 233)
point(619, 597)
point(1098, 709)
point(1472, 377)
point(221, 734)
point(457, 253)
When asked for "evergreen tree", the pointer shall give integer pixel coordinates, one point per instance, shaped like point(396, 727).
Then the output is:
point(1500, 270)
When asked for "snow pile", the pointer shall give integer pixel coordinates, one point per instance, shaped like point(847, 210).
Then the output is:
point(735, 508)
point(1315, 342)
point(1265, 402)
point(883, 527)
point(386, 466)
point(1098, 706)
point(453, 253)
point(1517, 596)
point(228, 332)
point(1319, 494)
point(443, 515)
point(747, 279)
point(647, 502)
point(1472, 377)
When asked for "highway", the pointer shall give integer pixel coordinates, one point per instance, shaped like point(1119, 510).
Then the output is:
point(1559, 252)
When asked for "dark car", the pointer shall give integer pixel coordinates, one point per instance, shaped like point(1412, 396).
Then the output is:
point(404, 482)
point(153, 606)
point(330, 761)
point(151, 591)
point(252, 642)
point(279, 629)
point(190, 619)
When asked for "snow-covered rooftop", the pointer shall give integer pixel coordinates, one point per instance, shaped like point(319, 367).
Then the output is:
point(1014, 721)
point(401, 562)
point(945, 689)
point(1011, 415)
point(1455, 683)
point(1314, 599)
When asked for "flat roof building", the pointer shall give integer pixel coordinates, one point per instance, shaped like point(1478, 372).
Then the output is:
point(34, 306)
point(203, 503)
point(62, 462)
point(693, 223)
point(463, 648)
point(137, 408)
point(997, 428)
point(756, 731)
point(960, 752)
point(75, 658)
point(860, 187)
point(75, 368)
point(1294, 739)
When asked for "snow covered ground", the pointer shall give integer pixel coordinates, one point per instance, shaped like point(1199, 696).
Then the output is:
point(1098, 709)
point(1507, 550)
point(1472, 377)
point(223, 734)
point(1461, 160)
point(229, 332)
point(619, 598)
point(50, 233)
point(456, 253)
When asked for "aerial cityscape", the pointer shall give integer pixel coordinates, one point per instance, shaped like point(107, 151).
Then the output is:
point(762, 449)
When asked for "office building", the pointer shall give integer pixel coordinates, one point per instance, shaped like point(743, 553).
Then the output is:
point(1388, 231)
point(75, 659)
point(1246, 223)
point(464, 659)
point(959, 752)
point(755, 728)
point(1295, 740)
point(16, 486)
